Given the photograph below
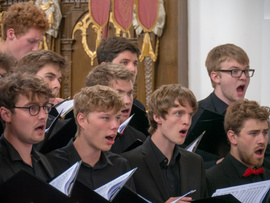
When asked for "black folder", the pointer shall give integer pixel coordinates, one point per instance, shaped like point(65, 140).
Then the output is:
point(139, 120)
point(218, 199)
point(135, 144)
point(81, 193)
point(214, 140)
point(60, 138)
point(23, 187)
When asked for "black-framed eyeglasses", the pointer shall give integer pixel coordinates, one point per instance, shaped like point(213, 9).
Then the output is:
point(237, 73)
point(35, 109)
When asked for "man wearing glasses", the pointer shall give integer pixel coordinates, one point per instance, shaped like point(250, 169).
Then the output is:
point(24, 108)
point(229, 71)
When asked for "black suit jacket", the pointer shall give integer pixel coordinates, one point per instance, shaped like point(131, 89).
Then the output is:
point(148, 177)
point(206, 103)
point(209, 158)
point(228, 173)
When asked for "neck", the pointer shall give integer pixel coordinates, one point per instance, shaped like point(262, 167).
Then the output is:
point(87, 153)
point(218, 93)
point(163, 144)
point(238, 159)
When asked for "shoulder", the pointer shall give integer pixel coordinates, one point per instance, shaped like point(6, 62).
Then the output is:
point(205, 101)
point(138, 104)
point(134, 155)
point(218, 169)
point(132, 131)
point(189, 155)
point(59, 155)
point(115, 158)
point(119, 161)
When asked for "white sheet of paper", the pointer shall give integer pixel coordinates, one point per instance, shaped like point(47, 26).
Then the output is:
point(111, 187)
point(248, 193)
point(124, 124)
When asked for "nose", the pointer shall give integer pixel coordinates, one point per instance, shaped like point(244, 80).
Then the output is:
point(128, 99)
point(132, 68)
point(262, 138)
point(42, 114)
point(187, 119)
point(55, 86)
point(115, 124)
point(243, 76)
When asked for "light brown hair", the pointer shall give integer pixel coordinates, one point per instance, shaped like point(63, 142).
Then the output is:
point(105, 74)
point(96, 98)
point(164, 98)
point(33, 61)
point(222, 53)
point(238, 112)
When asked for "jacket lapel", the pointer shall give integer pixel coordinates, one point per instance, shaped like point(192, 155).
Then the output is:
point(154, 169)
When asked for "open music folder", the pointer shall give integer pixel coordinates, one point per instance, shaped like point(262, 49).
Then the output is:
point(214, 140)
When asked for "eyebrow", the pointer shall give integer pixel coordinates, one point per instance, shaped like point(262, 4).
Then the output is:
point(234, 67)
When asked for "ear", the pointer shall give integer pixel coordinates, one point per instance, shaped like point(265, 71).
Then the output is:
point(103, 62)
point(11, 34)
point(157, 119)
point(81, 120)
point(5, 114)
point(232, 137)
point(215, 77)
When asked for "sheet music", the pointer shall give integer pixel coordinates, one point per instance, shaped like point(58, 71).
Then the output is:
point(248, 193)
point(65, 107)
point(124, 124)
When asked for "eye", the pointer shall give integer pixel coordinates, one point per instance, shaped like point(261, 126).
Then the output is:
point(265, 132)
point(235, 71)
point(135, 64)
point(179, 113)
point(105, 118)
point(49, 77)
point(130, 93)
point(253, 133)
point(124, 63)
point(120, 92)
point(118, 118)
point(32, 41)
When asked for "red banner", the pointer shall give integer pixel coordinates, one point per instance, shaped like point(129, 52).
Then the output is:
point(122, 13)
point(147, 13)
point(99, 11)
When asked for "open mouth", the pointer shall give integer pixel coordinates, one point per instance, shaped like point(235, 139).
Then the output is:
point(40, 127)
point(125, 111)
point(110, 138)
point(259, 152)
point(183, 131)
point(241, 88)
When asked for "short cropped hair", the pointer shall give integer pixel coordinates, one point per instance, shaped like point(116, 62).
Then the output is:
point(105, 74)
point(110, 48)
point(164, 98)
point(240, 111)
point(23, 16)
point(17, 84)
point(33, 61)
point(96, 98)
point(223, 52)
point(7, 62)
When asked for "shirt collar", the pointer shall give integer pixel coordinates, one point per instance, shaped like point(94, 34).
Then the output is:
point(220, 106)
point(14, 154)
point(74, 157)
point(161, 158)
